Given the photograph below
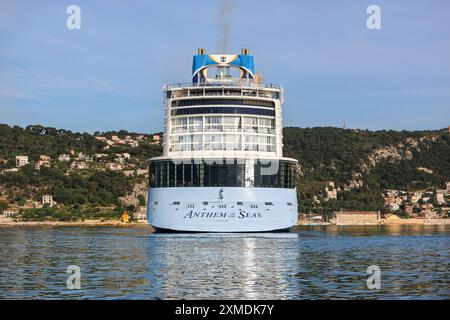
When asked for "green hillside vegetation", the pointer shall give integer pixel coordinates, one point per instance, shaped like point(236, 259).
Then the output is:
point(324, 154)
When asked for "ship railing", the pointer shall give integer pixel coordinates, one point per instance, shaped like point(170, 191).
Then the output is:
point(229, 83)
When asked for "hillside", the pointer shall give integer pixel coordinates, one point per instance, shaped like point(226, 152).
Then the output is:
point(364, 164)
point(359, 166)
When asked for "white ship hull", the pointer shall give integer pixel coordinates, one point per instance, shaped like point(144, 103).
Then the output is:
point(222, 209)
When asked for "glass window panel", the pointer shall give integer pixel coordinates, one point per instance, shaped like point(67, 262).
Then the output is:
point(164, 172)
point(187, 175)
point(171, 169)
point(250, 121)
point(179, 175)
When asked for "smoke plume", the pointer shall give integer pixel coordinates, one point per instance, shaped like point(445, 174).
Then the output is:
point(225, 11)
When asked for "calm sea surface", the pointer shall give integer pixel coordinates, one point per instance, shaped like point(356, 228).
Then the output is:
point(307, 263)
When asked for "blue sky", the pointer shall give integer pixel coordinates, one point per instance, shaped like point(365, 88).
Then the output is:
point(109, 74)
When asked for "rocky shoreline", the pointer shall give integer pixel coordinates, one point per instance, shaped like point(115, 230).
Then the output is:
point(85, 223)
point(412, 221)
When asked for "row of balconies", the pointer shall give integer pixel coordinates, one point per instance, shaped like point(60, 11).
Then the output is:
point(222, 92)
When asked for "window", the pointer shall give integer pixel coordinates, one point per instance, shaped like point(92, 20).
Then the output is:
point(225, 110)
point(227, 174)
point(213, 120)
point(205, 102)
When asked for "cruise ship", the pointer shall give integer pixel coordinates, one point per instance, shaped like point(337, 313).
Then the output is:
point(222, 168)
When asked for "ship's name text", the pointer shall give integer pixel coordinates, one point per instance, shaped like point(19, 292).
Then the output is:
point(217, 214)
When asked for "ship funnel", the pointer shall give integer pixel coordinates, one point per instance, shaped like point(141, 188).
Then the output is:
point(201, 51)
point(245, 51)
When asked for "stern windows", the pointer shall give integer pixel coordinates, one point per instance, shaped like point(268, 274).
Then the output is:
point(165, 174)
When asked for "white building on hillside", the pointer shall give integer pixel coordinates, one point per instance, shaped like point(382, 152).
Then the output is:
point(8, 213)
point(21, 161)
point(63, 157)
point(48, 199)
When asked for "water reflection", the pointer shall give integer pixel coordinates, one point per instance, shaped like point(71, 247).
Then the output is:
point(200, 266)
point(307, 263)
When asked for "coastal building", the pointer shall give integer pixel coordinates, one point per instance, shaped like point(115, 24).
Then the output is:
point(156, 139)
point(140, 172)
point(119, 160)
point(409, 209)
point(78, 165)
point(113, 166)
point(393, 202)
point(440, 197)
point(63, 157)
point(122, 157)
point(8, 213)
point(37, 204)
point(427, 206)
point(445, 212)
point(48, 200)
point(84, 157)
point(45, 200)
point(415, 197)
point(140, 214)
point(317, 218)
point(44, 157)
point(331, 191)
point(128, 173)
point(81, 156)
point(125, 217)
point(41, 163)
point(44, 161)
point(427, 211)
point(21, 161)
point(429, 214)
point(356, 217)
